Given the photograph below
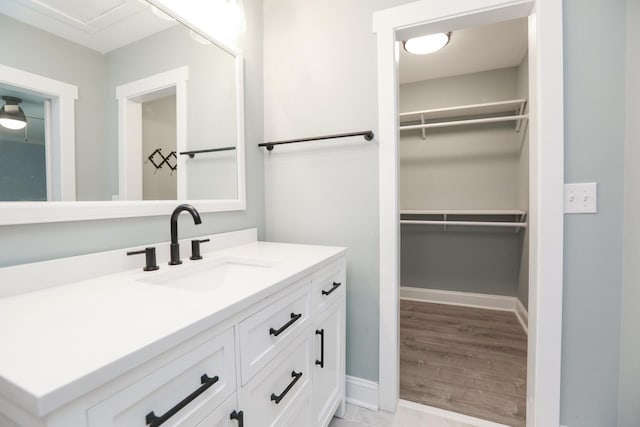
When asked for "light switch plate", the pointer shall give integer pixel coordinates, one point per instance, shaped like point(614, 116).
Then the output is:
point(581, 198)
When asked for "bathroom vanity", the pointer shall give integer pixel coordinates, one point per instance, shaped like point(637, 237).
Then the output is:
point(251, 335)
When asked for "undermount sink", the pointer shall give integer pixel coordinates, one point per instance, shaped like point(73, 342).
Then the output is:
point(208, 275)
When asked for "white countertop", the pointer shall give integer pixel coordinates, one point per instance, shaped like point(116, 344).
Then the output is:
point(61, 342)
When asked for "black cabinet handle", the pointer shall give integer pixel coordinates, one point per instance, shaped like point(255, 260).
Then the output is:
point(321, 361)
point(296, 376)
point(154, 421)
point(276, 332)
point(237, 416)
point(336, 285)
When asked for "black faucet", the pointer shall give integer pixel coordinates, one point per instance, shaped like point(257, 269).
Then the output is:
point(175, 246)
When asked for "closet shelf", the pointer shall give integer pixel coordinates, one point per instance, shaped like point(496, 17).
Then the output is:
point(490, 112)
point(475, 218)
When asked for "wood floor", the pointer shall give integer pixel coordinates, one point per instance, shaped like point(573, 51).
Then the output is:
point(467, 360)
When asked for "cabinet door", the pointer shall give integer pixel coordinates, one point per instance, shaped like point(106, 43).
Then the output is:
point(328, 369)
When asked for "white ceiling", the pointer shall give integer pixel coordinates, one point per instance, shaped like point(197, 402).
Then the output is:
point(471, 50)
point(102, 25)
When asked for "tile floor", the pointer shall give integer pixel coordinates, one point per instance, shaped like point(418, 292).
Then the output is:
point(409, 414)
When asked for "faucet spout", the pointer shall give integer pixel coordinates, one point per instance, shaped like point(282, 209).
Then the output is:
point(175, 246)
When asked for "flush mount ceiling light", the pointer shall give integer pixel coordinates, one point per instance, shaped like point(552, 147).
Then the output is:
point(426, 44)
point(11, 115)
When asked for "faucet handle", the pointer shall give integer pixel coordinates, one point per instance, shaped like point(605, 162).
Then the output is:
point(150, 258)
point(195, 248)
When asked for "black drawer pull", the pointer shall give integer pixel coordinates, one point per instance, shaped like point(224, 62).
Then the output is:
point(276, 332)
point(154, 421)
point(321, 361)
point(237, 416)
point(278, 398)
point(336, 285)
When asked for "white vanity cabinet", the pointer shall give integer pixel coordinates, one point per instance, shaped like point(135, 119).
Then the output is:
point(277, 361)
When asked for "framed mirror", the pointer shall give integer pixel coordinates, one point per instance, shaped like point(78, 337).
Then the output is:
point(128, 110)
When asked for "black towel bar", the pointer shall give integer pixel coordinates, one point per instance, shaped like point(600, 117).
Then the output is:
point(192, 153)
point(368, 135)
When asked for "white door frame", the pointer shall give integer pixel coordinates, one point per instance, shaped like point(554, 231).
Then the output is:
point(130, 97)
point(546, 183)
point(60, 121)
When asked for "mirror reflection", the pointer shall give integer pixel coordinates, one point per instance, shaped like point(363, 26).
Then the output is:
point(155, 117)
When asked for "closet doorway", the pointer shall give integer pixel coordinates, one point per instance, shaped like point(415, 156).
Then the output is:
point(544, 219)
point(464, 197)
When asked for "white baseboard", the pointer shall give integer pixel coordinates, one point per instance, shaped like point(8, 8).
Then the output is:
point(361, 392)
point(467, 299)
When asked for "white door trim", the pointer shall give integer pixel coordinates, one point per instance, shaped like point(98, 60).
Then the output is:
point(546, 184)
point(130, 97)
point(61, 150)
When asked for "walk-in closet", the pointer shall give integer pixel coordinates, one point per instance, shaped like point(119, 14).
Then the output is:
point(464, 206)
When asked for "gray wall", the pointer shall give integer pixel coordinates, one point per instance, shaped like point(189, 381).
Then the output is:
point(42, 53)
point(594, 49)
point(320, 76)
point(629, 410)
point(22, 171)
point(28, 243)
point(461, 259)
point(465, 167)
point(468, 167)
point(159, 132)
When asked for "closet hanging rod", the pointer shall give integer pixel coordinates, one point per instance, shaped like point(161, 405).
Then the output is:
point(192, 153)
point(466, 122)
point(462, 212)
point(368, 135)
point(466, 223)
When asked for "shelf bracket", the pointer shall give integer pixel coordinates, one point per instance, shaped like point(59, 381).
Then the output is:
point(520, 113)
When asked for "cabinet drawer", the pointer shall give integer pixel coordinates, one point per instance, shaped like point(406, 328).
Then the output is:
point(221, 416)
point(300, 413)
point(327, 286)
point(178, 391)
point(268, 331)
point(274, 394)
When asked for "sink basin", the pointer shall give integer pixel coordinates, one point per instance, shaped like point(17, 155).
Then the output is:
point(208, 275)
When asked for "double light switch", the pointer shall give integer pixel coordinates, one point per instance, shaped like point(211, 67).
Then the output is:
point(581, 198)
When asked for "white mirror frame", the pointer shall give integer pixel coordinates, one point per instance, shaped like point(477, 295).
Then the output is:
point(13, 213)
